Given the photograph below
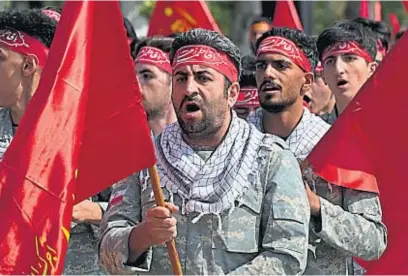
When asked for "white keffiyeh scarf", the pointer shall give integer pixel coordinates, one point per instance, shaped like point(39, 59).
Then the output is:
point(210, 186)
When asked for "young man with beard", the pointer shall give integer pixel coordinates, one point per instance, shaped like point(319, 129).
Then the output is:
point(347, 52)
point(247, 100)
point(344, 222)
point(234, 195)
point(153, 71)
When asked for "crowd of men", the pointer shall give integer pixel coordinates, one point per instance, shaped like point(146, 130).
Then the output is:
point(230, 133)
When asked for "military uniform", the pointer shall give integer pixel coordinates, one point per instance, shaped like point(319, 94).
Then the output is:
point(350, 223)
point(265, 232)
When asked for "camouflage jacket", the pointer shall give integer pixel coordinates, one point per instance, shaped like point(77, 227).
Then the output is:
point(350, 222)
point(82, 257)
point(266, 233)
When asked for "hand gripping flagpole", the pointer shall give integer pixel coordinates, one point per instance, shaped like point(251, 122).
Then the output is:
point(158, 196)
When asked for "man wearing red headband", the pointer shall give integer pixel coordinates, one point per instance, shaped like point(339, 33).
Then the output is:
point(340, 217)
point(236, 195)
point(347, 52)
point(154, 70)
point(247, 100)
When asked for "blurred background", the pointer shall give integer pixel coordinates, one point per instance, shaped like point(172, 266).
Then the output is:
point(234, 17)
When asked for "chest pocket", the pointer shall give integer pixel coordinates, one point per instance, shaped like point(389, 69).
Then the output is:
point(147, 195)
point(239, 229)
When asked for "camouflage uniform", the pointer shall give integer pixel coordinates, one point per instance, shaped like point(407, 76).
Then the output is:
point(82, 256)
point(350, 222)
point(265, 233)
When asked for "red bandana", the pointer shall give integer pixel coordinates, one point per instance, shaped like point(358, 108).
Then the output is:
point(52, 14)
point(24, 44)
point(207, 56)
point(154, 56)
point(248, 97)
point(286, 47)
point(348, 47)
point(319, 68)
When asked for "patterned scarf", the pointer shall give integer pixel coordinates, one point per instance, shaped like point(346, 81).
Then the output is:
point(304, 136)
point(209, 186)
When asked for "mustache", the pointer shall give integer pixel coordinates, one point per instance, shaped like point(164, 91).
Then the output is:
point(270, 83)
point(191, 98)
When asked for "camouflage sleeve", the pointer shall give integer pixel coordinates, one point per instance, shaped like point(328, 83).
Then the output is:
point(357, 228)
point(285, 221)
point(124, 212)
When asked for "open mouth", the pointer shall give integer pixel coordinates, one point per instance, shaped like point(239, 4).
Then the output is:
point(341, 82)
point(192, 107)
point(306, 99)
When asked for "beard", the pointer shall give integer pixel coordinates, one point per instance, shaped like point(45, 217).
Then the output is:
point(277, 107)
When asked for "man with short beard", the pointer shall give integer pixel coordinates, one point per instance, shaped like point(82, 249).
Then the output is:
point(344, 223)
point(243, 206)
point(154, 75)
point(347, 52)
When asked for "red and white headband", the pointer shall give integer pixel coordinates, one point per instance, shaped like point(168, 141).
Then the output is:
point(52, 14)
point(154, 56)
point(207, 56)
point(248, 97)
point(286, 47)
point(24, 44)
point(346, 47)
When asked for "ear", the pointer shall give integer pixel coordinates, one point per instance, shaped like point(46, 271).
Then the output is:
point(30, 65)
point(309, 79)
point(233, 92)
point(372, 66)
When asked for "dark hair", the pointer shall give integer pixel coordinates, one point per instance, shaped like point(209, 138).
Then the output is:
point(248, 71)
point(399, 34)
point(379, 28)
point(31, 22)
point(208, 38)
point(261, 19)
point(160, 42)
point(346, 31)
point(305, 42)
point(130, 31)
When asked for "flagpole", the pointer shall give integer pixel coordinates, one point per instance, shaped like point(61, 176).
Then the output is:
point(158, 196)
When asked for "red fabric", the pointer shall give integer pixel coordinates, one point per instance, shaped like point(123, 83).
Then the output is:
point(364, 9)
point(286, 15)
point(346, 48)
point(24, 44)
point(52, 14)
point(207, 56)
point(286, 47)
point(405, 3)
point(367, 148)
point(305, 104)
point(154, 56)
point(248, 97)
point(69, 124)
point(171, 17)
point(394, 22)
point(377, 11)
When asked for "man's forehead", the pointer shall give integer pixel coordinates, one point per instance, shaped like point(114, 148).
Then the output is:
point(195, 68)
point(147, 67)
point(272, 57)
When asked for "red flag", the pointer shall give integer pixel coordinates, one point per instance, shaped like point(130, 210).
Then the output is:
point(405, 3)
point(377, 11)
point(286, 15)
point(367, 146)
point(171, 17)
point(39, 169)
point(364, 9)
point(394, 23)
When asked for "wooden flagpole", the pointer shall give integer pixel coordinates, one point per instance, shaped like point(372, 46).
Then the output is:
point(158, 196)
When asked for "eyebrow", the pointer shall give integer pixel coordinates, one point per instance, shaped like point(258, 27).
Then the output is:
point(144, 71)
point(179, 73)
point(289, 62)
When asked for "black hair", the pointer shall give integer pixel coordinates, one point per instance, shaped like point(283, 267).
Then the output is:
point(399, 34)
point(305, 42)
point(31, 22)
point(160, 42)
point(130, 31)
point(209, 38)
point(379, 28)
point(248, 71)
point(347, 31)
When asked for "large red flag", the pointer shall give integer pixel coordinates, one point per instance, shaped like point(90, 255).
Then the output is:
point(364, 9)
point(366, 149)
point(405, 3)
point(171, 17)
point(394, 23)
point(38, 174)
point(285, 15)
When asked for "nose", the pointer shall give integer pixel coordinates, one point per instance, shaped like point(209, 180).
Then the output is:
point(191, 87)
point(270, 72)
point(340, 66)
